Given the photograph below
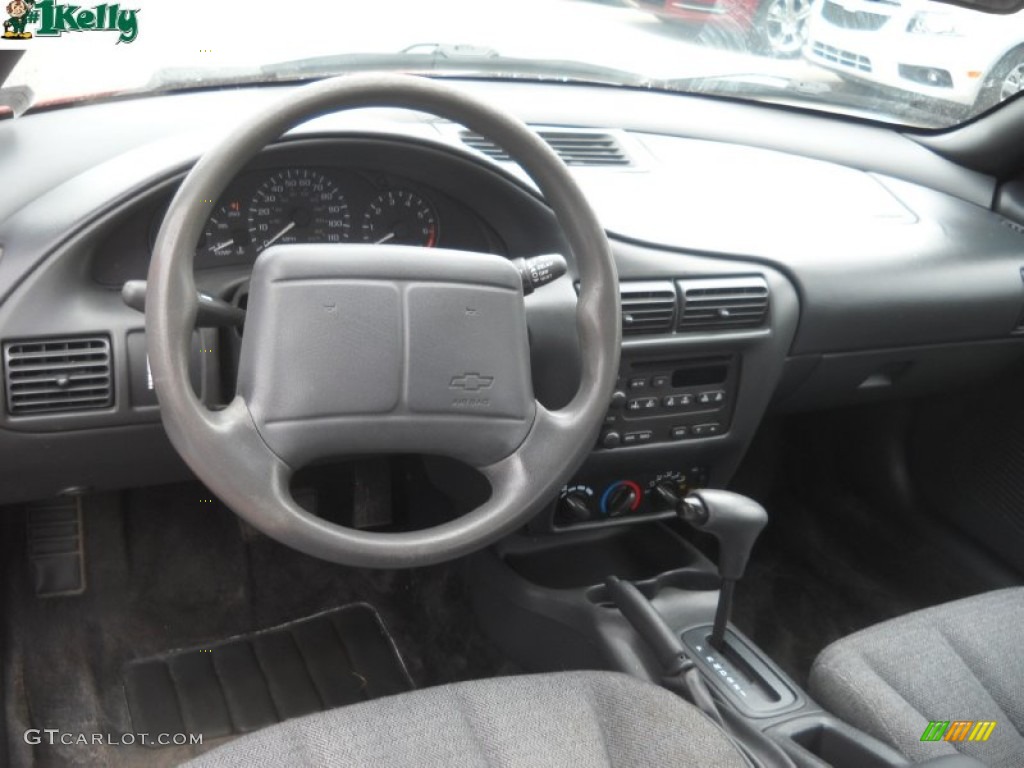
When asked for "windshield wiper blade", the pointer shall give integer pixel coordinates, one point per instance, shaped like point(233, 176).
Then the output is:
point(437, 59)
point(441, 58)
point(743, 83)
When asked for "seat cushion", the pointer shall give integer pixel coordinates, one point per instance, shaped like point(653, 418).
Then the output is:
point(564, 719)
point(959, 661)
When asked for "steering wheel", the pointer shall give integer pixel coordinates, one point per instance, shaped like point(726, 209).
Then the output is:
point(363, 349)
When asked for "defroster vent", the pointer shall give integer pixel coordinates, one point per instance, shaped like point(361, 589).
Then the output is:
point(58, 375)
point(575, 147)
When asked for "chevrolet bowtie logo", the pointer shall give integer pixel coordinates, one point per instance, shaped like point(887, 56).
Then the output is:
point(471, 382)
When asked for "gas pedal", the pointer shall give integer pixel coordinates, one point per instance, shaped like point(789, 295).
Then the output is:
point(56, 553)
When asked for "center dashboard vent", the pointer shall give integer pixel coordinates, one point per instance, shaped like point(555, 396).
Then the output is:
point(574, 147)
point(58, 375)
point(647, 307)
point(723, 303)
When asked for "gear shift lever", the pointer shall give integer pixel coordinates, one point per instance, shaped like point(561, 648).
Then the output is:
point(736, 522)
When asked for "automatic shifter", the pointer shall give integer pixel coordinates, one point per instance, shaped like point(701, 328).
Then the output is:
point(736, 522)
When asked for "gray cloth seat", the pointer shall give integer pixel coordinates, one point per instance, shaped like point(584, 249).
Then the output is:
point(564, 719)
point(959, 661)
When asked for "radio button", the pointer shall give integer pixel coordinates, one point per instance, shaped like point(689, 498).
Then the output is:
point(677, 401)
point(714, 397)
point(706, 430)
point(642, 404)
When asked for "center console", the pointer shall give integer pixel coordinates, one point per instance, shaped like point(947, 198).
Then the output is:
point(546, 601)
point(704, 348)
point(680, 409)
point(656, 401)
point(665, 401)
point(704, 345)
point(594, 499)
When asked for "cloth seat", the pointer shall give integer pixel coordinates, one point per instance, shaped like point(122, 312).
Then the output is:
point(959, 661)
point(563, 719)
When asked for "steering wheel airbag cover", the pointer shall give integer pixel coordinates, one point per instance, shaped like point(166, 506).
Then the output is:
point(356, 349)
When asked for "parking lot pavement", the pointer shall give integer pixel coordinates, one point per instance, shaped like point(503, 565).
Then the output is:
point(233, 36)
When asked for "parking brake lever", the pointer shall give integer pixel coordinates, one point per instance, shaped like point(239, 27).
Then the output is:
point(675, 661)
point(211, 313)
point(678, 667)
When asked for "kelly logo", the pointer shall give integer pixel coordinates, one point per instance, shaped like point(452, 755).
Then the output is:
point(55, 19)
point(958, 730)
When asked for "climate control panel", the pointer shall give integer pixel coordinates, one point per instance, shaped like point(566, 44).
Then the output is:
point(596, 500)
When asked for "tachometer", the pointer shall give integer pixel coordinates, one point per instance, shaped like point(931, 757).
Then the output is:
point(298, 205)
point(400, 217)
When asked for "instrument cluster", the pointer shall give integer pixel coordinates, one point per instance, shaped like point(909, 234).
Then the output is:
point(330, 192)
point(306, 204)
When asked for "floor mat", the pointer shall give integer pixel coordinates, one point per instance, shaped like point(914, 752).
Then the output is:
point(167, 570)
point(335, 658)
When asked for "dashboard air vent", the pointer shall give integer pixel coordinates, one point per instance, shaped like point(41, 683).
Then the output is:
point(574, 147)
point(647, 307)
point(58, 375)
point(723, 303)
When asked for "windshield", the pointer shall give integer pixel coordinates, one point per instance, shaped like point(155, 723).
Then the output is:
point(911, 62)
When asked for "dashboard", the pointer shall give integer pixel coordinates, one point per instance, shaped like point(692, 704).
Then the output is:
point(769, 260)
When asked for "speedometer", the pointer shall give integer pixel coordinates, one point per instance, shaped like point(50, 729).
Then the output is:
point(298, 205)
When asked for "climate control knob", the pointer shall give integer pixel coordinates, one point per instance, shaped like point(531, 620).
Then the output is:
point(575, 508)
point(621, 498)
point(668, 493)
point(576, 504)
